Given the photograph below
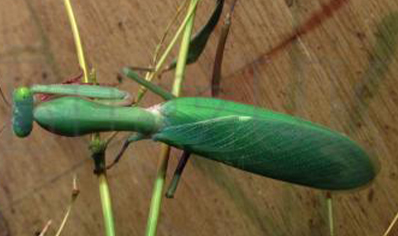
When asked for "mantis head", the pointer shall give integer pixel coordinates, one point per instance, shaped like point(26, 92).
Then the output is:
point(22, 111)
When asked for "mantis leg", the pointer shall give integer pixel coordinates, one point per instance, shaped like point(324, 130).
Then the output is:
point(145, 69)
point(132, 138)
point(152, 87)
point(105, 95)
point(177, 174)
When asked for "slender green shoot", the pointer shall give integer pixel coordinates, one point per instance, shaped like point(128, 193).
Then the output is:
point(162, 60)
point(98, 150)
point(184, 24)
point(391, 225)
point(74, 195)
point(157, 193)
point(167, 31)
point(106, 205)
point(329, 203)
point(184, 49)
point(76, 37)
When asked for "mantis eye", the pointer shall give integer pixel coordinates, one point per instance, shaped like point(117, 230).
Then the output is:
point(22, 111)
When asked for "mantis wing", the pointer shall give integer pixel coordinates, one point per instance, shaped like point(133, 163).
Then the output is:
point(282, 150)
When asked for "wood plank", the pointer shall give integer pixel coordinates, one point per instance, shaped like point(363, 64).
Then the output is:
point(340, 70)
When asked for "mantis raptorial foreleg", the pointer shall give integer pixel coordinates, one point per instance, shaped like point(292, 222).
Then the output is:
point(105, 95)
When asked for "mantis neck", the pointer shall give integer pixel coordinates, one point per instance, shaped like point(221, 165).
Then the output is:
point(74, 116)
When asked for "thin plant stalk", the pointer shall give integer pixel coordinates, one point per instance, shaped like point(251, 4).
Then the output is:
point(166, 32)
point(102, 179)
point(76, 37)
point(162, 60)
point(157, 194)
point(391, 225)
point(106, 205)
point(64, 220)
point(45, 228)
point(183, 55)
point(184, 25)
point(74, 195)
point(329, 202)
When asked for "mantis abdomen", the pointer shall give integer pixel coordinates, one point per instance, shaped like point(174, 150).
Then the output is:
point(266, 143)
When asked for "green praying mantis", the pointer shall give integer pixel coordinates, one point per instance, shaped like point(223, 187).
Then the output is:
point(249, 138)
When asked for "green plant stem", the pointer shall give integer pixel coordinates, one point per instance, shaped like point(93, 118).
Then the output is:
point(166, 32)
point(184, 25)
point(183, 55)
point(329, 203)
point(157, 194)
point(162, 60)
point(76, 37)
point(95, 138)
point(106, 205)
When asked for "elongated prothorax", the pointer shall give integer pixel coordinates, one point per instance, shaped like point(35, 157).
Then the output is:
point(74, 116)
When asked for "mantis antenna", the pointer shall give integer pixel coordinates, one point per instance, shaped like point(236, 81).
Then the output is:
point(7, 103)
point(4, 97)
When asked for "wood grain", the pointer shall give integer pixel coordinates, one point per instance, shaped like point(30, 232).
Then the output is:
point(341, 73)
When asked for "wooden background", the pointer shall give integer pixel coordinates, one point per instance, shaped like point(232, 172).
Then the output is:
point(335, 63)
